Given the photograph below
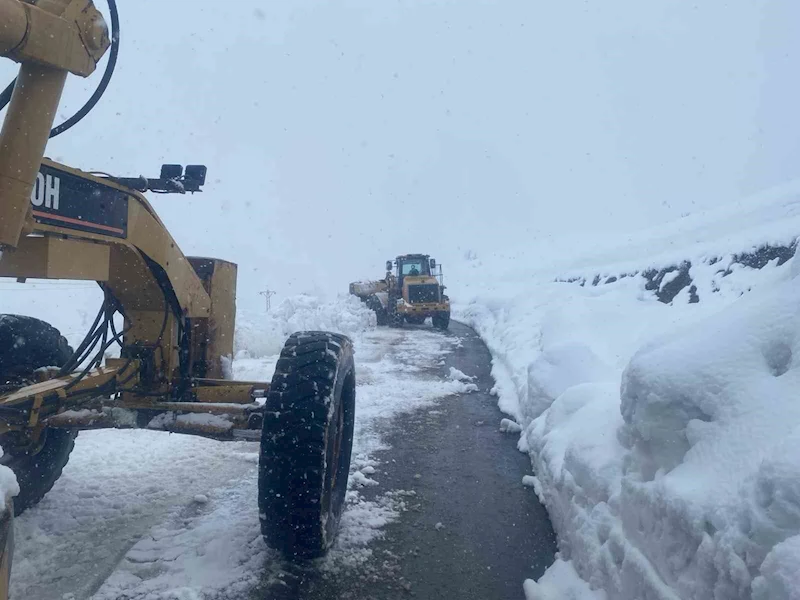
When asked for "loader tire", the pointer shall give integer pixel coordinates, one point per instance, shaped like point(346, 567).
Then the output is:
point(396, 320)
point(441, 320)
point(306, 443)
point(382, 317)
point(27, 344)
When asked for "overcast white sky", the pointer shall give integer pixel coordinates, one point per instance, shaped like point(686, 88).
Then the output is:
point(339, 133)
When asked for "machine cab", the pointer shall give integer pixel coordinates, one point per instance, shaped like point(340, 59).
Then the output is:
point(414, 265)
point(416, 278)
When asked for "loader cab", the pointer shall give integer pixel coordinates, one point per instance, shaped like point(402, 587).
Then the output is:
point(412, 265)
point(414, 268)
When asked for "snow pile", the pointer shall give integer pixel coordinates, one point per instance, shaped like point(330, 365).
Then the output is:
point(712, 482)
point(663, 437)
point(263, 334)
point(457, 375)
point(561, 582)
point(8, 485)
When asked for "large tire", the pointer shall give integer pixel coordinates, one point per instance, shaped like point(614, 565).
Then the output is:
point(395, 318)
point(306, 443)
point(441, 320)
point(382, 317)
point(27, 344)
point(38, 470)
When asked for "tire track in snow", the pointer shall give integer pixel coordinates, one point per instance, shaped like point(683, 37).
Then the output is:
point(116, 486)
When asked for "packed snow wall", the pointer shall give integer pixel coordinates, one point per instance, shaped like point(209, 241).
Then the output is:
point(657, 399)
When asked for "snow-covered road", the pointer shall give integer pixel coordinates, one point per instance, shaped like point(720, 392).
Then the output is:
point(147, 515)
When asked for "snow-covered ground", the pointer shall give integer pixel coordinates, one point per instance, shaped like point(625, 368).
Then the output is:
point(664, 439)
point(147, 515)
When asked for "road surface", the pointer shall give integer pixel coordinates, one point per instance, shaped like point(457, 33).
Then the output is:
point(470, 530)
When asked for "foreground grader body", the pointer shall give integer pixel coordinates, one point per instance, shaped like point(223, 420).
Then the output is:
point(177, 312)
point(412, 293)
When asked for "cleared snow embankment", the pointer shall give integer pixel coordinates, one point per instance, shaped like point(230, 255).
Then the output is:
point(664, 438)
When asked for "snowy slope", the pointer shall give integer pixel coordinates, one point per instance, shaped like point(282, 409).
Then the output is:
point(663, 436)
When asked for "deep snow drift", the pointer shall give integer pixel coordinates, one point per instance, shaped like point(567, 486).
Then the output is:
point(663, 437)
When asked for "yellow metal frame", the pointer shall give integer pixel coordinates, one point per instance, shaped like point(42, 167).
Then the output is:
point(160, 290)
point(427, 308)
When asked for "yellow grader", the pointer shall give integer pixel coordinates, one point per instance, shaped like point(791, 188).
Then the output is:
point(177, 313)
point(411, 294)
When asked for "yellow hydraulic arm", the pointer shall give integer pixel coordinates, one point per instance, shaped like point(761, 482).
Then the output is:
point(50, 38)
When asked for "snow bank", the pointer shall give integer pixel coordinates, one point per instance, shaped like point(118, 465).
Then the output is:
point(263, 334)
point(560, 582)
point(664, 436)
point(9, 487)
point(711, 482)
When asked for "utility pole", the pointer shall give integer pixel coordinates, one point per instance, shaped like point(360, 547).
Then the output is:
point(268, 294)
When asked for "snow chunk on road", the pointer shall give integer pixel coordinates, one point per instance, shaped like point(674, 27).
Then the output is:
point(509, 426)
point(457, 375)
point(461, 380)
point(561, 582)
point(360, 479)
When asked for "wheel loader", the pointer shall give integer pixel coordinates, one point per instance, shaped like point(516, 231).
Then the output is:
point(410, 294)
point(170, 317)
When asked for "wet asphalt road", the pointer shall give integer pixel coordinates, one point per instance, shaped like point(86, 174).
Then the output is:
point(471, 531)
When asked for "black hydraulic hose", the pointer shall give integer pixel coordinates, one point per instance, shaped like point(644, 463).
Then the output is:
point(95, 339)
point(107, 75)
point(5, 95)
point(97, 332)
point(87, 342)
point(96, 360)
